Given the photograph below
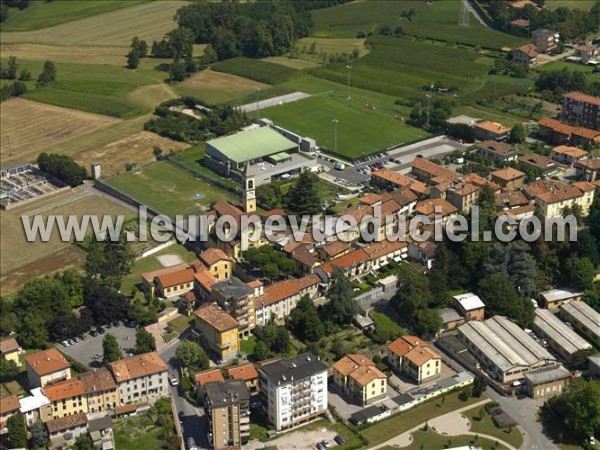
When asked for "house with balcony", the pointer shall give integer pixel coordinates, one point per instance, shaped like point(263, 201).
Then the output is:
point(412, 356)
point(217, 331)
point(358, 377)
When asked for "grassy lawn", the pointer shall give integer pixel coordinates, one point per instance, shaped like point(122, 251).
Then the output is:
point(255, 69)
point(360, 130)
point(13, 387)
point(47, 14)
point(182, 323)
point(399, 423)
point(436, 21)
point(432, 440)
point(134, 433)
point(190, 158)
point(247, 345)
point(169, 189)
point(486, 426)
point(152, 263)
point(382, 320)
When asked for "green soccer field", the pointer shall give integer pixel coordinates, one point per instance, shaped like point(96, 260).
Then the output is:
point(360, 130)
point(169, 189)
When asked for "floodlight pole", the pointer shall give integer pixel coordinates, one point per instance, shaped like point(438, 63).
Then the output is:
point(257, 103)
point(349, 73)
point(428, 97)
point(335, 122)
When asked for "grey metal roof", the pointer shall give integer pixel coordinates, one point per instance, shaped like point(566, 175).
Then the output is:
point(558, 332)
point(102, 423)
point(367, 413)
point(504, 343)
point(554, 295)
point(449, 315)
point(585, 315)
point(230, 392)
point(287, 370)
point(547, 375)
point(403, 399)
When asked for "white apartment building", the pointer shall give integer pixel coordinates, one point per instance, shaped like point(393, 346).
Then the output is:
point(294, 390)
point(141, 378)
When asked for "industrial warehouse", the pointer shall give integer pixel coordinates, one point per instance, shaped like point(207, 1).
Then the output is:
point(504, 349)
point(562, 339)
point(584, 318)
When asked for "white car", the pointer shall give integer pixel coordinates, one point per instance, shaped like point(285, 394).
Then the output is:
point(65, 343)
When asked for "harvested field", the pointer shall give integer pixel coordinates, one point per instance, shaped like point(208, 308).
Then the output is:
point(30, 127)
point(218, 87)
point(294, 63)
point(330, 46)
point(149, 21)
point(68, 54)
point(135, 148)
point(23, 258)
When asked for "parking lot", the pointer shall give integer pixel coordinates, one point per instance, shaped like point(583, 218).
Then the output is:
point(304, 440)
point(86, 350)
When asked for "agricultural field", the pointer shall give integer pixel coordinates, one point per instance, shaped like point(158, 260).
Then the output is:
point(585, 5)
point(31, 127)
point(169, 189)
point(136, 148)
point(330, 46)
point(218, 87)
point(292, 63)
point(360, 130)
point(47, 14)
point(21, 260)
point(437, 20)
point(254, 69)
point(403, 67)
point(149, 21)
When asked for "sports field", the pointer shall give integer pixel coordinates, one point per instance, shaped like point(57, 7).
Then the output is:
point(437, 20)
point(169, 189)
point(360, 130)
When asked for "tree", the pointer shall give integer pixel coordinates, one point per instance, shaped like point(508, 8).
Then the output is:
point(48, 73)
point(17, 433)
point(62, 167)
point(144, 341)
point(133, 59)
point(413, 292)
point(13, 67)
point(105, 303)
point(304, 321)
point(33, 332)
point(111, 349)
point(500, 297)
point(209, 56)
point(39, 435)
point(139, 46)
point(303, 197)
point(8, 370)
point(84, 442)
point(578, 407)
point(108, 261)
point(191, 356)
point(579, 273)
point(479, 385)
point(341, 308)
point(181, 41)
point(429, 321)
point(517, 134)
point(261, 351)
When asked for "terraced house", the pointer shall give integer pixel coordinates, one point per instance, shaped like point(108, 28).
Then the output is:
point(100, 390)
point(140, 378)
point(46, 367)
point(358, 377)
point(66, 397)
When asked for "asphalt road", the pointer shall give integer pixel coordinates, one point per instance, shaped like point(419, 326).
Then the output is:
point(194, 422)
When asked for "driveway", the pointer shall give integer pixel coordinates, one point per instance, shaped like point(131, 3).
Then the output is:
point(525, 411)
point(85, 350)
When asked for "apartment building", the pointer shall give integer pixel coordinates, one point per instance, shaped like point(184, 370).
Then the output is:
point(581, 109)
point(499, 152)
point(140, 378)
point(217, 331)
point(538, 163)
point(47, 366)
point(66, 397)
point(100, 390)
point(569, 155)
point(588, 169)
point(545, 40)
point(358, 377)
point(279, 299)
point(488, 130)
point(227, 405)
point(559, 133)
point(294, 390)
point(508, 178)
point(553, 196)
point(412, 356)
point(237, 298)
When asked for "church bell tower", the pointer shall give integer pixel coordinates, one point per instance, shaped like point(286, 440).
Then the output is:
point(249, 190)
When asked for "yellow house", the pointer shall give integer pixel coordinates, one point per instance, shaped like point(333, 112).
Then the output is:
point(99, 390)
point(174, 284)
point(217, 331)
point(218, 263)
point(358, 377)
point(412, 356)
point(554, 196)
point(46, 367)
point(66, 397)
point(9, 350)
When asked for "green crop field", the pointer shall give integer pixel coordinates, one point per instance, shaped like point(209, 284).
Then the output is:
point(254, 69)
point(149, 21)
point(101, 89)
point(360, 130)
point(47, 14)
point(435, 21)
point(403, 67)
point(168, 189)
point(585, 5)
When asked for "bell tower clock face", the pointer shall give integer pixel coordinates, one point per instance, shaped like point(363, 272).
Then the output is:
point(250, 194)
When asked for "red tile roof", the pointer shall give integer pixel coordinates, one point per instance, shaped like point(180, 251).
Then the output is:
point(281, 290)
point(138, 366)
point(66, 423)
point(213, 256)
point(428, 207)
point(413, 348)
point(8, 404)
point(335, 248)
point(529, 49)
point(245, 372)
point(8, 345)
point(64, 389)
point(507, 174)
point(177, 278)
point(209, 376)
point(47, 361)
point(216, 317)
point(150, 276)
point(581, 97)
point(567, 150)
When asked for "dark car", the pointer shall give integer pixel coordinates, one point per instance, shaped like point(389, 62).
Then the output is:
point(101, 330)
point(339, 440)
point(93, 333)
